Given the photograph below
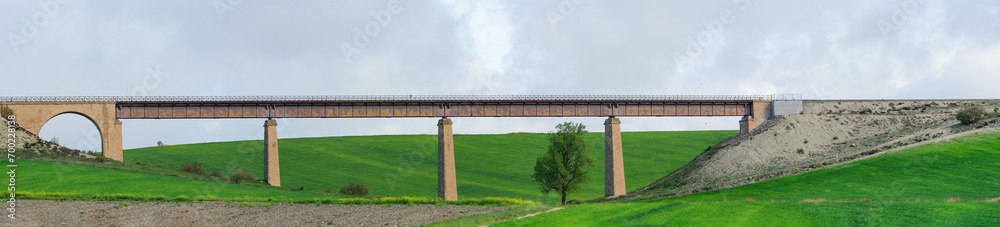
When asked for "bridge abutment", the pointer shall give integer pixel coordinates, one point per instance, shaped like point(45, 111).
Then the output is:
point(760, 111)
point(33, 115)
point(271, 169)
point(614, 166)
point(447, 188)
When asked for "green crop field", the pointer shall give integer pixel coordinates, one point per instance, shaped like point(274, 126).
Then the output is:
point(406, 165)
point(34, 176)
point(951, 183)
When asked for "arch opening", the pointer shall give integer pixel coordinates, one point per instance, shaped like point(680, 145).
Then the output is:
point(75, 131)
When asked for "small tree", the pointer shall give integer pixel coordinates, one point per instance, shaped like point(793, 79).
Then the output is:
point(564, 167)
point(54, 140)
point(970, 115)
point(159, 143)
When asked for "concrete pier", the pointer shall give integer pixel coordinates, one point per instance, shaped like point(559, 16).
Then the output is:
point(614, 167)
point(272, 173)
point(447, 189)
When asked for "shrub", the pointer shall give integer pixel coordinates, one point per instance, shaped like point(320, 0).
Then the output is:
point(100, 158)
point(215, 174)
point(236, 178)
point(182, 198)
point(574, 202)
point(354, 189)
point(5, 111)
point(970, 115)
point(193, 167)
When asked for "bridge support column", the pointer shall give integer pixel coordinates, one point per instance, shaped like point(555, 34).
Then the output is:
point(271, 171)
point(112, 147)
point(447, 189)
point(614, 166)
point(760, 112)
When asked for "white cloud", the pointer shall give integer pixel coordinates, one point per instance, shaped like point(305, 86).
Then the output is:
point(831, 49)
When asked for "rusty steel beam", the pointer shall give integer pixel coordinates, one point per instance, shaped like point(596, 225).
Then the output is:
point(388, 98)
point(384, 106)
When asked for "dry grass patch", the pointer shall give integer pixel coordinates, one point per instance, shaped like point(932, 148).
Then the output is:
point(819, 200)
point(750, 200)
point(993, 200)
point(955, 200)
point(865, 200)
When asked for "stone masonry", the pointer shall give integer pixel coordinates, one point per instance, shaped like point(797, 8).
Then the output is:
point(447, 189)
point(614, 167)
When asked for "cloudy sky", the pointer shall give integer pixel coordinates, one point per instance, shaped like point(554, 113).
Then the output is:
point(820, 49)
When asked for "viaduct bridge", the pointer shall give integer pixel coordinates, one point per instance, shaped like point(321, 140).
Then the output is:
point(106, 111)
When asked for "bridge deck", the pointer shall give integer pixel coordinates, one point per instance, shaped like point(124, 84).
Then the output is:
point(186, 107)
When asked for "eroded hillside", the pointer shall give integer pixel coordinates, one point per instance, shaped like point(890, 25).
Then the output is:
point(28, 146)
point(828, 132)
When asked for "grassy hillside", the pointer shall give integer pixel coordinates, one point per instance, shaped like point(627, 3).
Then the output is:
point(406, 165)
point(35, 176)
point(906, 188)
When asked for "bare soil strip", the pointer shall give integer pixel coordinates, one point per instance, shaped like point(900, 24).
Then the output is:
point(129, 213)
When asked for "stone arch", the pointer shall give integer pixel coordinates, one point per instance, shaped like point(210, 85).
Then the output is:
point(100, 132)
point(33, 115)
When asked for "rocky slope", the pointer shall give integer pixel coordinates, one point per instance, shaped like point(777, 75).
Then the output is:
point(28, 146)
point(828, 132)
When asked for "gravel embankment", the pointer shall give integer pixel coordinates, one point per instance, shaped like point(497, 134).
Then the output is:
point(130, 213)
point(826, 133)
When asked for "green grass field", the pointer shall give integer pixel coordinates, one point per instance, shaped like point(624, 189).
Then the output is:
point(34, 176)
point(406, 165)
point(906, 188)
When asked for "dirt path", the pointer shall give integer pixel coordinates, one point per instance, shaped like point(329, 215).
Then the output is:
point(535, 214)
point(128, 213)
point(532, 215)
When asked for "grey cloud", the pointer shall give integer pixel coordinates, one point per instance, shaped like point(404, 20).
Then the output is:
point(827, 49)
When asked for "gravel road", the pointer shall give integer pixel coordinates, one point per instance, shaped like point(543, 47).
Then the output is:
point(129, 213)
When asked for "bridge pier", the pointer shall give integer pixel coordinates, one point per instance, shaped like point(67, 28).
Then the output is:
point(271, 171)
point(113, 147)
point(447, 188)
point(614, 166)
